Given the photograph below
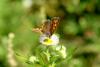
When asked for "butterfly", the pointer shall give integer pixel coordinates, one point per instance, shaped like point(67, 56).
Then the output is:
point(48, 27)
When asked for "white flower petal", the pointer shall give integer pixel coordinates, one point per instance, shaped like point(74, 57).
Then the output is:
point(55, 39)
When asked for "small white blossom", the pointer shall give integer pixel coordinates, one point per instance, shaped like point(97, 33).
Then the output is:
point(62, 50)
point(53, 40)
point(27, 3)
point(33, 59)
point(11, 35)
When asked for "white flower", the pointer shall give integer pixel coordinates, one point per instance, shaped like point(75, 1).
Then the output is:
point(27, 3)
point(53, 40)
point(33, 59)
point(62, 50)
point(11, 35)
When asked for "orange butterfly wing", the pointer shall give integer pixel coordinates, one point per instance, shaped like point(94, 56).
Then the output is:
point(46, 27)
point(54, 25)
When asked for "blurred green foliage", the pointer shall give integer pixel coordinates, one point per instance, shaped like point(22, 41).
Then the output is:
point(79, 28)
